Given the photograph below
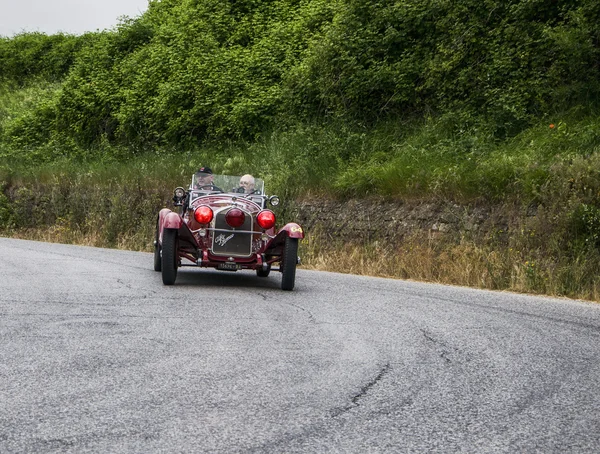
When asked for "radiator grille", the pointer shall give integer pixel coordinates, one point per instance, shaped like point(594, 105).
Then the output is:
point(230, 242)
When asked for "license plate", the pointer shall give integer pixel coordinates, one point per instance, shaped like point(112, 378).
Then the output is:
point(228, 266)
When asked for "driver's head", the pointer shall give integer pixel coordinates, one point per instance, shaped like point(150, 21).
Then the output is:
point(247, 182)
point(204, 176)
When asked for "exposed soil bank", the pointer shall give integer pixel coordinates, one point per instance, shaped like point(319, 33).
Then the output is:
point(505, 246)
point(375, 219)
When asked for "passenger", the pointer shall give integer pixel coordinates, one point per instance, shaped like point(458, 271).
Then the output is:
point(247, 184)
point(204, 180)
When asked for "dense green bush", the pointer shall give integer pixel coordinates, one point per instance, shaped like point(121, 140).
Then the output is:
point(188, 71)
point(35, 55)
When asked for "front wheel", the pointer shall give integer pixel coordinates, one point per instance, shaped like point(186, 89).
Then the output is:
point(169, 256)
point(157, 259)
point(288, 263)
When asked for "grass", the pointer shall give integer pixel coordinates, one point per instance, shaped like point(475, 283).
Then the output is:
point(440, 159)
point(461, 263)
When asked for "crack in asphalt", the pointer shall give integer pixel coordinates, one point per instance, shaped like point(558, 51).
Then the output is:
point(473, 304)
point(363, 392)
point(43, 444)
point(126, 284)
point(365, 389)
point(311, 317)
point(445, 349)
point(592, 329)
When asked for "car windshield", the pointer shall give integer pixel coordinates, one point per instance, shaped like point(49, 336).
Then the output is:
point(242, 184)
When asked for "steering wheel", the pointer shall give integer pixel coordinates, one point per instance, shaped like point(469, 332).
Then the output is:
point(209, 186)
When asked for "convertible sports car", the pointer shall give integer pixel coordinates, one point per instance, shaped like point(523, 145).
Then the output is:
point(228, 229)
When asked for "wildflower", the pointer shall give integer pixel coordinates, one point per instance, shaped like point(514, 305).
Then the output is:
point(551, 125)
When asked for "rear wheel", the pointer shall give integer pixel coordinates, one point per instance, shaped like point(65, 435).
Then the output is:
point(288, 263)
point(157, 259)
point(169, 256)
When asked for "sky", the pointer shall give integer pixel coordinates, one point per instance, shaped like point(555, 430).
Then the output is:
point(67, 16)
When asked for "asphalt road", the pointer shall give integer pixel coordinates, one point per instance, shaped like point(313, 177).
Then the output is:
point(98, 356)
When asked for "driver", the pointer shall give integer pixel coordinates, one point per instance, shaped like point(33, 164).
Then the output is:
point(204, 180)
point(247, 184)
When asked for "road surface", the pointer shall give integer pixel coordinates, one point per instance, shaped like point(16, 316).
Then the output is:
point(98, 356)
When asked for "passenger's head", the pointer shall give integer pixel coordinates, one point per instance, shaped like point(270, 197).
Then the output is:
point(247, 182)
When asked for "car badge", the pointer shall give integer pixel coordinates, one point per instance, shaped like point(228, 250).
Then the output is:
point(221, 240)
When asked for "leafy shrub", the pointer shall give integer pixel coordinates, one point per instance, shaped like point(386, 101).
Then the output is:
point(186, 72)
point(35, 55)
point(586, 223)
point(6, 212)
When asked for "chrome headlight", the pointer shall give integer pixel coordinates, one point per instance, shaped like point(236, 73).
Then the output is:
point(179, 193)
point(274, 200)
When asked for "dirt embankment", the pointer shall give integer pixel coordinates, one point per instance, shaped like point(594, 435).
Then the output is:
point(374, 219)
point(507, 246)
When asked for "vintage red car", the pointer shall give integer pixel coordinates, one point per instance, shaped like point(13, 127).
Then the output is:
point(223, 222)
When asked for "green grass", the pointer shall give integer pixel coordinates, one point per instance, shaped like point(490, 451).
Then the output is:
point(424, 160)
point(436, 160)
point(447, 156)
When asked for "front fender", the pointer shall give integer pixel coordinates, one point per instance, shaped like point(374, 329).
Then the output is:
point(291, 230)
point(168, 219)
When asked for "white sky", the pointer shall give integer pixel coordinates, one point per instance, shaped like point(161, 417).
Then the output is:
point(67, 16)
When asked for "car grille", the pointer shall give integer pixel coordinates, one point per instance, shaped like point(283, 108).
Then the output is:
point(227, 241)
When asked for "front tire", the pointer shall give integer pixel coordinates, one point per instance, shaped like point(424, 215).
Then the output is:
point(157, 259)
point(169, 256)
point(288, 263)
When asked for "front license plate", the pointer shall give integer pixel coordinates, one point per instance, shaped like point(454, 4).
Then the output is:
point(228, 266)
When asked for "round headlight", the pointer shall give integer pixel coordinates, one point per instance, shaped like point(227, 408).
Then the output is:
point(179, 193)
point(274, 200)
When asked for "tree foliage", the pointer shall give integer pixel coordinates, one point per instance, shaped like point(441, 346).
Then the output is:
point(35, 55)
point(190, 70)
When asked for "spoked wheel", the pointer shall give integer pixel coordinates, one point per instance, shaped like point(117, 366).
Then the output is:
point(288, 263)
point(169, 256)
point(157, 259)
point(263, 273)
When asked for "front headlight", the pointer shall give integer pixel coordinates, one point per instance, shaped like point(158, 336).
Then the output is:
point(179, 193)
point(274, 200)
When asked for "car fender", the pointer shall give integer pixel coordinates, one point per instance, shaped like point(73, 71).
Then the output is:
point(169, 219)
point(292, 230)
